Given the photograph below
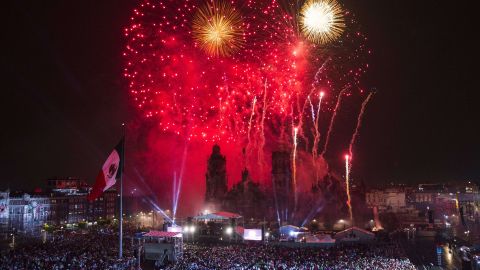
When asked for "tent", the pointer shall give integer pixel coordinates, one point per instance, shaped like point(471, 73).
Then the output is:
point(162, 234)
point(319, 238)
point(163, 246)
point(291, 230)
point(354, 234)
point(217, 216)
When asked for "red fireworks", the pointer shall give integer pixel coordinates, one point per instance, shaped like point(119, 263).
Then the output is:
point(259, 90)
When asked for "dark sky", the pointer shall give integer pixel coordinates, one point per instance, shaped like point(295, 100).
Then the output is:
point(63, 95)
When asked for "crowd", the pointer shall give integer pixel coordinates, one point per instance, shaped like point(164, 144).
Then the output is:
point(72, 251)
point(261, 257)
point(98, 250)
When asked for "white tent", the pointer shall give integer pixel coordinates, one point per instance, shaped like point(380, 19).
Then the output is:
point(218, 216)
point(319, 238)
point(291, 230)
point(354, 234)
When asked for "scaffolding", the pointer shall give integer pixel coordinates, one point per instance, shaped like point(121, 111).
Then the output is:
point(163, 246)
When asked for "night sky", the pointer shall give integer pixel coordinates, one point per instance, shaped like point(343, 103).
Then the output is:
point(64, 96)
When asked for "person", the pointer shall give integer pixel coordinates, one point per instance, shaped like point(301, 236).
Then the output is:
point(267, 257)
point(94, 250)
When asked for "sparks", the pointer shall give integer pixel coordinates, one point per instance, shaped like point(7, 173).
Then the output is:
point(359, 122)
point(316, 139)
point(332, 121)
point(217, 27)
point(322, 20)
point(250, 125)
point(294, 166)
point(347, 185)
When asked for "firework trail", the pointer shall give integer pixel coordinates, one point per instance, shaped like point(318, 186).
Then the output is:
point(359, 122)
point(300, 113)
point(260, 148)
point(348, 157)
point(294, 166)
point(311, 109)
point(249, 147)
point(332, 120)
point(316, 139)
point(347, 184)
point(317, 132)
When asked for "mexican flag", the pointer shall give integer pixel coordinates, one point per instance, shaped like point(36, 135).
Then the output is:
point(111, 170)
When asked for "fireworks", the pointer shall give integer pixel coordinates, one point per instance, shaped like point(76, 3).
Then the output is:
point(322, 20)
point(347, 186)
point(260, 57)
point(217, 27)
point(220, 71)
point(315, 124)
point(294, 165)
point(359, 122)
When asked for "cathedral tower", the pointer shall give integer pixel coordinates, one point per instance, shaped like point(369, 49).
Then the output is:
point(216, 177)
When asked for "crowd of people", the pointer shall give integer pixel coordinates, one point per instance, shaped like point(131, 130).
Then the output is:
point(266, 257)
point(72, 251)
point(99, 250)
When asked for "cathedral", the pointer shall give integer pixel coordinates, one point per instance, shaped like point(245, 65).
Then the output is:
point(216, 179)
point(248, 198)
point(283, 190)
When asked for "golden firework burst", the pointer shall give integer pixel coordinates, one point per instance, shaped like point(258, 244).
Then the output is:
point(217, 27)
point(322, 21)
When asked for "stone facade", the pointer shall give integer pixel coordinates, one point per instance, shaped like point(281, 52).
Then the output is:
point(216, 179)
point(282, 180)
point(64, 203)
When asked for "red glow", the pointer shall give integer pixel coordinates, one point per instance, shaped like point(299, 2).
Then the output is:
point(200, 99)
point(203, 97)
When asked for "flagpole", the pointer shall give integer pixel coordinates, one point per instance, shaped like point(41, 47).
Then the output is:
point(120, 234)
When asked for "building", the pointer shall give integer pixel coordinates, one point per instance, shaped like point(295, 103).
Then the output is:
point(392, 199)
point(67, 185)
point(4, 215)
point(216, 179)
point(69, 204)
point(65, 202)
point(283, 190)
point(27, 213)
point(246, 198)
point(438, 204)
point(68, 209)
